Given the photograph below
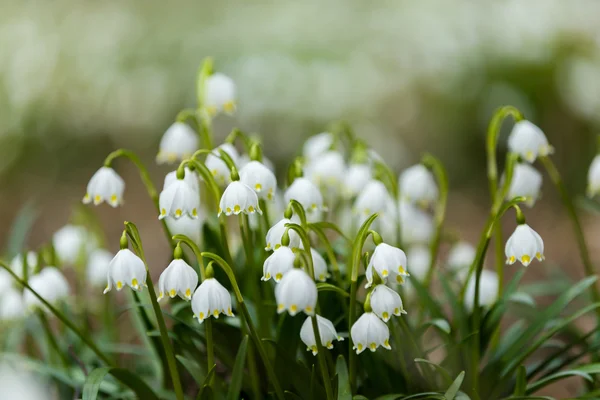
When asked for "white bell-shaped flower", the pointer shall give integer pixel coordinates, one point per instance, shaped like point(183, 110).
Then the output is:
point(527, 140)
point(276, 232)
point(190, 177)
point(211, 299)
point(69, 243)
point(419, 259)
point(319, 266)
point(178, 279)
point(50, 284)
point(327, 170)
point(217, 167)
point(239, 198)
point(244, 159)
point(105, 185)
point(97, 266)
point(327, 334)
point(179, 142)
point(461, 256)
point(415, 224)
point(488, 290)
point(388, 262)
point(369, 332)
point(373, 198)
point(417, 185)
point(179, 199)
point(126, 269)
point(6, 281)
point(524, 245)
point(190, 227)
point(317, 144)
point(386, 302)
point(12, 305)
point(306, 193)
point(296, 292)
point(16, 264)
point(220, 94)
point(356, 178)
point(278, 263)
point(526, 182)
point(593, 178)
point(260, 178)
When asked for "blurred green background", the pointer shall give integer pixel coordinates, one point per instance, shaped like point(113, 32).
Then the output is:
point(80, 78)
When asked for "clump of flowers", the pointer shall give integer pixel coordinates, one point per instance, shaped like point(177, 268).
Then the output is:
point(339, 257)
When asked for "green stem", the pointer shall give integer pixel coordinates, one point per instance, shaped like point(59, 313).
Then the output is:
point(146, 180)
point(580, 237)
point(246, 315)
point(357, 246)
point(201, 128)
point(52, 343)
point(133, 234)
point(440, 212)
point(393, 182)
point(84, 338)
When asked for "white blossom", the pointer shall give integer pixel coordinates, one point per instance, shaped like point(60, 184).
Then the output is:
point(415, 224)
point(105, 185)
point(97, 266)
point(296, 292)
point(237, 198)
point(190, 177)
point(258, 177)
point(419, 259)
point(69, 243)
point(527, 140)
point(16, 264)
point(126, 269)
point(190, 227)
point(177, 279)
point(461, 256)
point(278, 263)
point(524, 245)
point(179, 199)
point(217, 167)
point(306, 193)
point(211, 299)
point(417, 185)
point(220, 94)
point(315, 145)
point(593, 178)
point(526, 182)
point(369, 332)
point(50, 284)
point(179, 142)
point(488, 289)
point(319, 266)
point(387, 261)
point(356, 178)
point(327, 170)
point(386, 302)
point(275, 233)
point(327, 333)
point(12, 305)
point(373, 198)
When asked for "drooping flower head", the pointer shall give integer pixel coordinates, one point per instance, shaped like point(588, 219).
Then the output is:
point(416, 225)
point(220, 94)
point(356, 178)
point(388, 262)
point(105, 186)
point(179, 142)
point(12, 304)
point(16, 264)
point(296, 292)
point(217, 167)
point(190, 177)
point(190, 227)
point(275, 233)
point(50, 284)
point(417, 185)
point(126, 269)
point(593, 178)
point(260, 178)
point(327, 170)
point(524, 245)
point(373, 198)
point(179, 199)
point(527, 140)
point(178, 279)
point(278, 263)
point(526, 182)
point(97, 266)
point(306, 193)
point(386, 302)
point(315, 145)
point(239, 198)
point(461, 256)
point(369, 332)
point(319, 266)
point(327, 333)
point(211, 299)
point(69, 243)
point(488, 290)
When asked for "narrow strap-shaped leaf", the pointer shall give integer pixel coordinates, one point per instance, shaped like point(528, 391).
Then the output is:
point(529, 398)
point(535, 386)
point(453, 389)
point(344, 391)
point(193, 368)
point(428, 395)
point(205, 386)
point(291, 395)
point(237, 374)
point(521, 381)
point(441, 369)
point(385, 397)
point(440, 324)
point(325, 287)
point(129, 379)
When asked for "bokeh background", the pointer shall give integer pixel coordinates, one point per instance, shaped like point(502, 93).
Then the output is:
point(79, 79)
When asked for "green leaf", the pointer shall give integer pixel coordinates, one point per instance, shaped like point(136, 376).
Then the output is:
point(428, 395)
point(328, 287)
point(442, 370)
point(17, 236)
point(193, 368)
point(453, 389)
point(387, 397)
point(129, 379)
point(440, 324)
point(529, 398)
point(522, 298)
point(344, 391)
point(206, 393)
point(588, 204)
point(534, 387)
point(360, 397)
point(521, 381)
point(291, 396)
point(237, 374)
point(590, 368)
